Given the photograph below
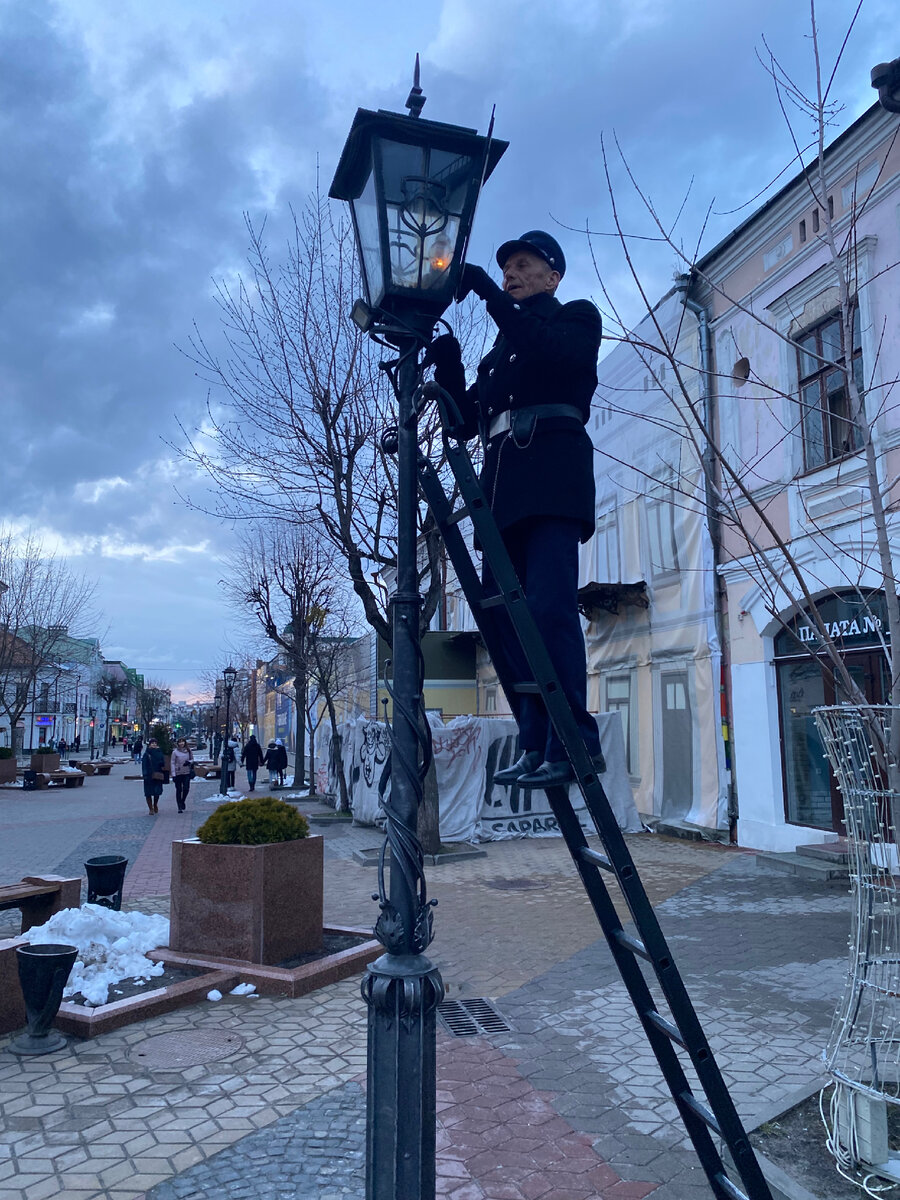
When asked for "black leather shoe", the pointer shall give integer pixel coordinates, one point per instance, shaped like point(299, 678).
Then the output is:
point(557, 774)
point(529, 761)
point(548, 774)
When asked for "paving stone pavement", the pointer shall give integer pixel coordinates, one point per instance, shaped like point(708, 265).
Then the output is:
point(568, 1105)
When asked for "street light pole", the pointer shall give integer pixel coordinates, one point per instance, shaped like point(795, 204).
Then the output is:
point(228, 675)
point(403, 988)
point(412, 186)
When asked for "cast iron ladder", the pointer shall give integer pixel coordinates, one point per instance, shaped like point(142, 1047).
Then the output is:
point(701, 1120)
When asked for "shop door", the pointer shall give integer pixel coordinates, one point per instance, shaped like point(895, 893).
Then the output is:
point(868, 670)
point(677, 739)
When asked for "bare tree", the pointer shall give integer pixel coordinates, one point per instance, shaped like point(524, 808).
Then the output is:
point(151, 696)
point(110, 687)
point(41, 602)
point(741, 522)
point(288, 578)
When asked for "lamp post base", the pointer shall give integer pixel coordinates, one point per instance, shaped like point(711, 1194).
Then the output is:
point(402, 992)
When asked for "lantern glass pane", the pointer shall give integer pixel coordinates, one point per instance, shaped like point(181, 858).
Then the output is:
point(425, 194)
point(365, 214)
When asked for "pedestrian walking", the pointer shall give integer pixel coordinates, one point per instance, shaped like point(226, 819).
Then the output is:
point(231, 753)
point(270, 761)
point(182, 772)
point(153, 770)
point(62, 747)
point(251, 758)
point(530, 402)
point(137, 749)
point(77, 743)
point(282, 760)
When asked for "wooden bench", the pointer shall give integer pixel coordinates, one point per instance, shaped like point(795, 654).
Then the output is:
point(67, 779)
point(40, 896)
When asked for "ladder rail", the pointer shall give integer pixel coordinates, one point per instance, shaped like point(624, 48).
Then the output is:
point(653, 945)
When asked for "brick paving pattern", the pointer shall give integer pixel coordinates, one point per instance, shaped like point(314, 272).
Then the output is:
point(567, 1106)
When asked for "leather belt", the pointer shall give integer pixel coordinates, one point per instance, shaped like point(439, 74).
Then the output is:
point(503, 421)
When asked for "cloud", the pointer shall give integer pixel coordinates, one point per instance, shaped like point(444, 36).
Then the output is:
point(136, 136)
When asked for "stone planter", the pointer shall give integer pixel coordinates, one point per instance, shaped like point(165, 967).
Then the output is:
point(7, 770)
point(45, 762)
point(260, 904)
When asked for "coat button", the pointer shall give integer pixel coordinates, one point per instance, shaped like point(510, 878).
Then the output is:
point(491, 371)
point(511, 397)
point(512, 358)
point(490, 409)
point(517, 307)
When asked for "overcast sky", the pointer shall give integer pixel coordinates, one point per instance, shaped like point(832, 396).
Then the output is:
point(135, 135)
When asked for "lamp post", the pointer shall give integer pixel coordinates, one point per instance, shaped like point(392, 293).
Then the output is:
point(217, 729)
point(412, 187)
point(228, 677)
point(92, 713)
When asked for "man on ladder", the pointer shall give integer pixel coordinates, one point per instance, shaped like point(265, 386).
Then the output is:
point(530, 403)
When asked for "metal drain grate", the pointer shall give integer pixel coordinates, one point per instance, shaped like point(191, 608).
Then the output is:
point(465, 1018)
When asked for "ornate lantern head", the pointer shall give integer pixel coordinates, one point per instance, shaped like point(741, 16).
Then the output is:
point(229, 675)
point(412, 187)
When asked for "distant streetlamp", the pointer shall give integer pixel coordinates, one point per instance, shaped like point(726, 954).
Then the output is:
point(412, 187)
point(217, 728)
point(229, 675)
point(92, 713)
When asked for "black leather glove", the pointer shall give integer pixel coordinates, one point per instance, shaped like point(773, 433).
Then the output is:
point(474, 279)
point(443, 353)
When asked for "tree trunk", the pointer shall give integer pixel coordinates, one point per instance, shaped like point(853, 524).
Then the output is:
point(429, 813)
point(337, 757)
point(300, 737)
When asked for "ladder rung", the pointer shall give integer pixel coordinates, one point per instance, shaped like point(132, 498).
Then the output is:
point(665, 1027)
point(689, 1100)
point(459, 515)
point(490, 602)
point(728, 1187)
point(632, 944)
point(529, 688)
point(595, 857)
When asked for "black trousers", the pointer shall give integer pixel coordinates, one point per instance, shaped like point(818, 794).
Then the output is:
point(544, 552)
point(182, 787)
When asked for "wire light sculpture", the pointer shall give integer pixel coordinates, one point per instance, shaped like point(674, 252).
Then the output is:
point(863, 1052)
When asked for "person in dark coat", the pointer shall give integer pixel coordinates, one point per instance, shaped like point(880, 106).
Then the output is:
point(270, 761)
point(530, 403)
point(153, 763)
point(251, 758)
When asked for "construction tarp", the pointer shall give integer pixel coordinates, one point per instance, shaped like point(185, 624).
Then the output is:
point(468, 751)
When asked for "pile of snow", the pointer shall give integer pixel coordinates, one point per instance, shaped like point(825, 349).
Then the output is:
point(215, 994)
point(111, 947)
point(243, 989)
point(230, 796)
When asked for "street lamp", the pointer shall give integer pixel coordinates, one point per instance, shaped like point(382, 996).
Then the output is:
point(412, 187)
point(229, 675)
point(216, 733)
point(886, 78)
point(92, 713)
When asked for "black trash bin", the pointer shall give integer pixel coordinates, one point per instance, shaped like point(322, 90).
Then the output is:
point(29, 781)
point(43, 973)
point(105, 877)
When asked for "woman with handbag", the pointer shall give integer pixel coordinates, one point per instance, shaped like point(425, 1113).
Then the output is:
point(182, 771)
point(152, 769)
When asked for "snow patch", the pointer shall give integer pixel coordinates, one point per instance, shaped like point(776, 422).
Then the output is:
point(215, 994)
point(111, 947)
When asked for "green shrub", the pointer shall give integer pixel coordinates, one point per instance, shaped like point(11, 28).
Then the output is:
point(163, 735)
point(253, 822)
point(6, 752)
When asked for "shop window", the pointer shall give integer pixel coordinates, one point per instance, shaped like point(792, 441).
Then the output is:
point(825, 414)
point(618, 699)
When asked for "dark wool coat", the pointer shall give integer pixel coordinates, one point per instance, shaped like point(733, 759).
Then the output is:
point(545, 353)
point(252, 755)
point(153, 760)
